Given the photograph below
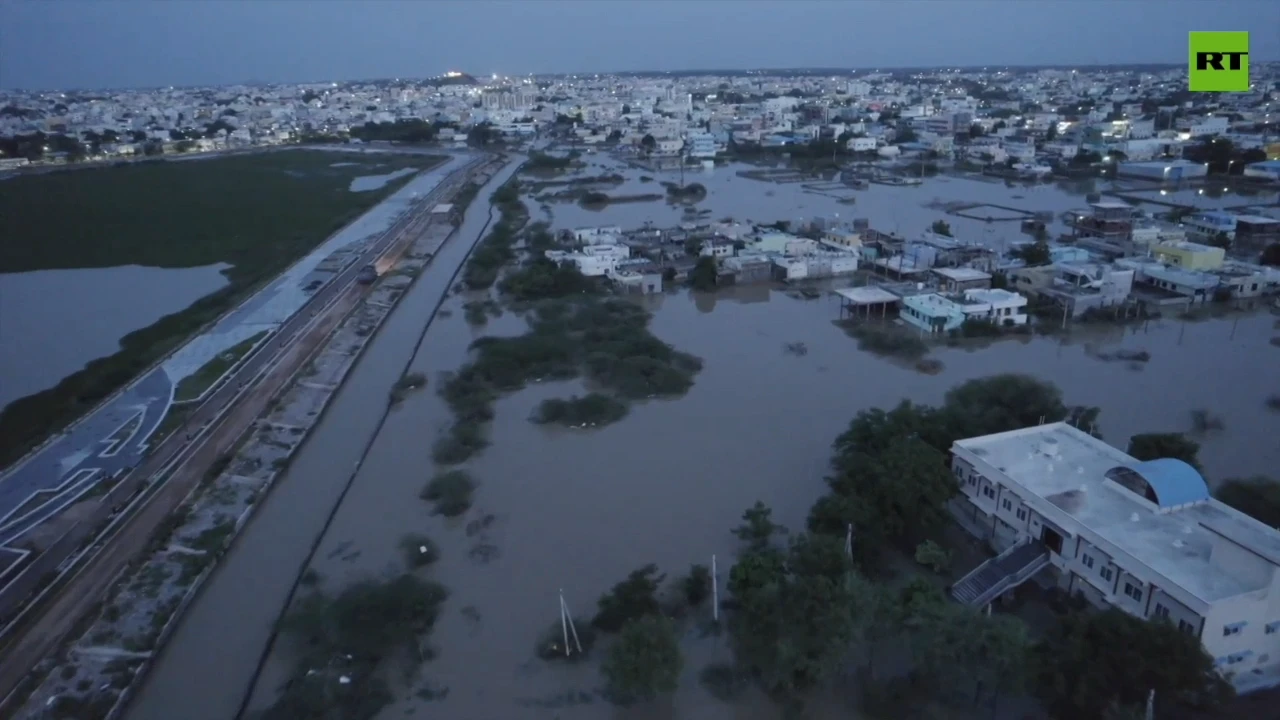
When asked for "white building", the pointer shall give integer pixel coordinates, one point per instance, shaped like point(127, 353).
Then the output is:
point(861, 144)
point(606, 235)
point(1210, 126)
point(702, 145)
point(593, 260)
point(1145, 537)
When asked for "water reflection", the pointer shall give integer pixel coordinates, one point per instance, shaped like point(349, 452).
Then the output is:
point(47, 333)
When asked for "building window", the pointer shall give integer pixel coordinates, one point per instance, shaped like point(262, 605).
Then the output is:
point(1273, 627)
point(1106, 574)
point(1186, 627)
point(988, 491)
point(1132, 591)
point(959, 471)
point(1008, 505)
point(1022, 514)
point(973, 479)
point(1161, 611)
point(1232, 629)
point(1087, 560)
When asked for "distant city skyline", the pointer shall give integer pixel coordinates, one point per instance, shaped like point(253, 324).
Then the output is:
point(92, 45)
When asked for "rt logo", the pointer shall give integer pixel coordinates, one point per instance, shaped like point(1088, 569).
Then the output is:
point(1219, 62)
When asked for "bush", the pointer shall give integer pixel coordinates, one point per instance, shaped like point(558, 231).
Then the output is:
point(632, 598)
point(607, 340)
point(644, 661)
point(593, 410)
point(460, 443)
point(451, 492)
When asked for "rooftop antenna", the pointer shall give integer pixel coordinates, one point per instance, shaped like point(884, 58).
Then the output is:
point(566, 626)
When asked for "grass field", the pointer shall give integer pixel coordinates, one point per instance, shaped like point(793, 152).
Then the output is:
point(258, 213)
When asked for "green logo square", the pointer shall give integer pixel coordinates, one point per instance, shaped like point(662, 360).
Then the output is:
point(1219, 62)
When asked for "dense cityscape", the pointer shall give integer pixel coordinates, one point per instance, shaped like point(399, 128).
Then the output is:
point(821, 392)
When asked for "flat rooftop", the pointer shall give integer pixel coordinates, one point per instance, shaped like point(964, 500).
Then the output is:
point(962, 274)
point(1068, 469)
point(867, 295)
point(993, 296)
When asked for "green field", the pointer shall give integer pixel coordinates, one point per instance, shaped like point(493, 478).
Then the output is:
point(259, 213)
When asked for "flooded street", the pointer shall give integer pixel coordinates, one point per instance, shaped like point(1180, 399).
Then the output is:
point(208, 665)
point(577, 510)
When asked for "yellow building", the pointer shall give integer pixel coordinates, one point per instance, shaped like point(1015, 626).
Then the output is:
point(1273, 151)
point(1190, 256)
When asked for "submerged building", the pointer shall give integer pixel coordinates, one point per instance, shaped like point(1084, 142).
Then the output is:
point(1068, 509)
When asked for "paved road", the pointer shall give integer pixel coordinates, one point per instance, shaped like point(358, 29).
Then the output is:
point(82, 447)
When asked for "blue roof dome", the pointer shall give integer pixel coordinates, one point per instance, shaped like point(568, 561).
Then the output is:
point(1172, 482)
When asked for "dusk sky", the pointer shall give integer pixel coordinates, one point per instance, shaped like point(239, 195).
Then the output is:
point(107, 43)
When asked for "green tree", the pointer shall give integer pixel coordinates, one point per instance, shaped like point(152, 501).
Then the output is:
point(644, 662)
point(900, 494)
point(704, 273)
point(941, 228)
point(1034, 254)
point(757, 528)
point(932, 555)
point(1096, 661)
point(1153, 446)
point(872, 431)
point(904, 134)
point(630, 599)
point(648, 143)
point(1271, 255)
point(1002, 402)
point(796, 613)
point(697, 585)
point(1258, 497)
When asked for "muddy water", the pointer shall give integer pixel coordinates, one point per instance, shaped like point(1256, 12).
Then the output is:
point(902, 210)
point(208, 665)
point(577, 510)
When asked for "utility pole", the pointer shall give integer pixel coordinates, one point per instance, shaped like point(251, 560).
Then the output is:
point(566, 626)
point(715, 591)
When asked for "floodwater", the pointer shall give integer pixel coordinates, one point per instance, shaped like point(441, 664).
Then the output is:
point(905, 211)
point(47, 331)
point(577, 510)
point(210, 661)
point(365, 183)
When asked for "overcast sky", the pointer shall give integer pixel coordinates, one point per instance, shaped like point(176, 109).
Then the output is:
point(116, 43)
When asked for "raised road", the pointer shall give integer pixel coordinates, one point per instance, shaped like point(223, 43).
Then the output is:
point(40, 485)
